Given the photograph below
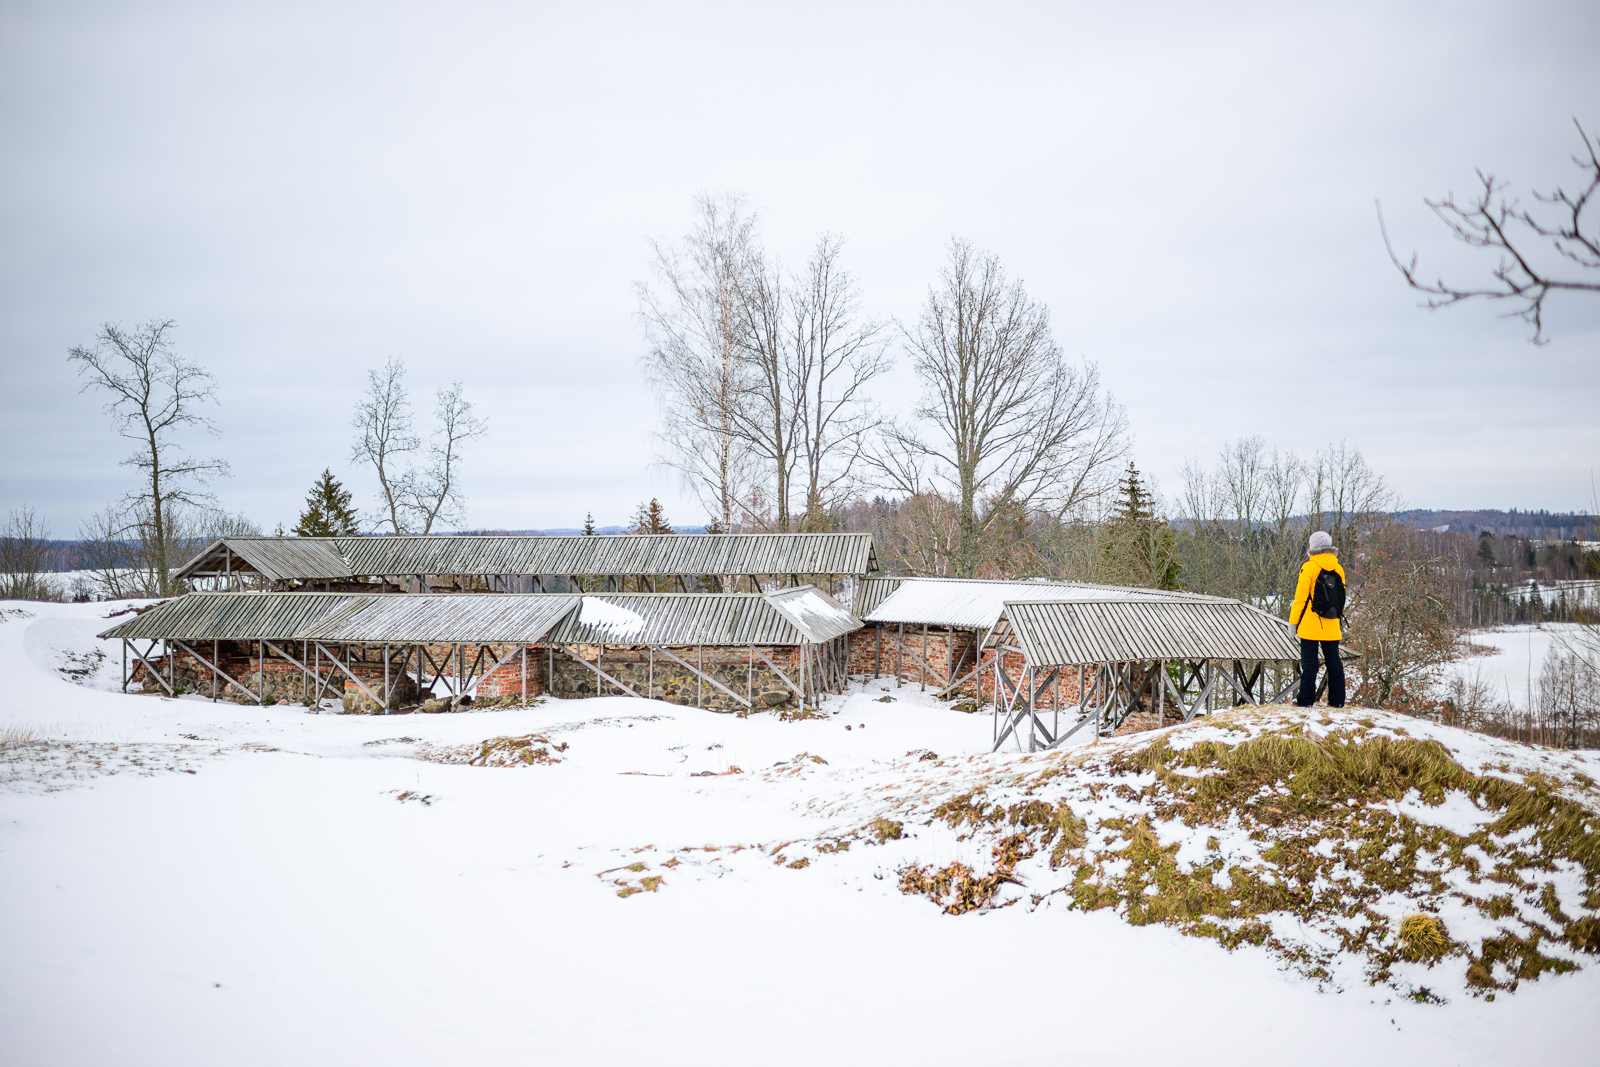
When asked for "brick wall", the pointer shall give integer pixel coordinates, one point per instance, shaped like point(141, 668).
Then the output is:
point(874, 651)
point(668, 681)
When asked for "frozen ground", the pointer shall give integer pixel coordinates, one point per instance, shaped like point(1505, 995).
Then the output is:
point(1512, 670)
point(188, 883)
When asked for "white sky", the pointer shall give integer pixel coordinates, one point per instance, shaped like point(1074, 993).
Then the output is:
point(471, 187)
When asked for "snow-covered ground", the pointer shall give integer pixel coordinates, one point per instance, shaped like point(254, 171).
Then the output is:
point(1512, 669)
point(189, 883)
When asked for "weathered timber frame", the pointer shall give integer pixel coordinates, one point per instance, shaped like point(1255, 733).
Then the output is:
point(1108, 693)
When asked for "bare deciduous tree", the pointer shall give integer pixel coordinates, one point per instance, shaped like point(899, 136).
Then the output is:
point(154, 395)
point(384, 435)
point(837, 352)
point(1533, 253)
point(413, 500)
point(1345, 493)
point(695, 361)
point(1006, 422)
point(120, 547)
point(1399, 620)
point(434, 492)
point(24, 558)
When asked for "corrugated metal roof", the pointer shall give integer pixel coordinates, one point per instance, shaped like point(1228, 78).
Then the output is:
point(279, 558)
point(231, 616)
point(1056, 633)
point(975, 604)
point(368, 618)
point(660, 554)
point(872, 592)
point(814, 612)
point(696, 619)
point(448, 619)
point(786, 617)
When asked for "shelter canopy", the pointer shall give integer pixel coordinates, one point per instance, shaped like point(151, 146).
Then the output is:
point(976, 604)
point(803, 615)
point(1068, 633)
point(659, 555)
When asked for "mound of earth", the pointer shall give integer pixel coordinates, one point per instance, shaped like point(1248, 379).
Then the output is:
point(1358, 846)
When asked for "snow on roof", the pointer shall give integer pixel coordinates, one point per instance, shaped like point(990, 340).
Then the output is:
point(818, 615)
point(976, 604)
point(612, 620)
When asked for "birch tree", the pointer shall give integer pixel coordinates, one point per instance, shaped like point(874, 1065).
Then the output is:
point(695, 363)
point(154, 395)
point(1005, 421)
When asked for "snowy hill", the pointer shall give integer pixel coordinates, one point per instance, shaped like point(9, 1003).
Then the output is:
point(195, 883)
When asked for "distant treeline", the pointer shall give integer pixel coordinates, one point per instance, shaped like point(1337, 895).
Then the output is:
point(1535, 525)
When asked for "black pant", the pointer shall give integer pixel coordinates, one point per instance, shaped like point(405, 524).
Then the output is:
point(1308, 673)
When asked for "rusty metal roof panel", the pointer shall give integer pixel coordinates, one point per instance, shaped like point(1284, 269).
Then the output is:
point(976, 603)
point(1054, 633)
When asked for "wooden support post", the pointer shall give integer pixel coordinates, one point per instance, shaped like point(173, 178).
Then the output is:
point(877, 656)
point(261, 678)
point(524, 674)
point(922, 674)
point(214, 658)
point(124, 664)
point(899, 660)
point(387, 688)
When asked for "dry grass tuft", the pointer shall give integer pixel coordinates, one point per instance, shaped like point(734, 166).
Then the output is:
point(1423, 939)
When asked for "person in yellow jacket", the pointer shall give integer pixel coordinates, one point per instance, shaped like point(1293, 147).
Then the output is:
point(1315, 632)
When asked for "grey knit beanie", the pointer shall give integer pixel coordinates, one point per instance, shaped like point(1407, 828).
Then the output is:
point(1320, 542)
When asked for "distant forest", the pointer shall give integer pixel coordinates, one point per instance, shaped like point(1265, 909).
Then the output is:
point(1534, 525)
point(1528, 525)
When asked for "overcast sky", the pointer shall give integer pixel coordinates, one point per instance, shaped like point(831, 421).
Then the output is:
point(309, 191)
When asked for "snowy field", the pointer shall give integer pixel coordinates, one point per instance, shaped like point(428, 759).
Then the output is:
point(1512, 669)
point(189, 883)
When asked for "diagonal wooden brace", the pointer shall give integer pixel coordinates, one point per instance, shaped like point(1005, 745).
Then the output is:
point(784, 678)
point(348, 673)
point(219, 670)
point(597, 670)
point(151, 667)
point(701, 674)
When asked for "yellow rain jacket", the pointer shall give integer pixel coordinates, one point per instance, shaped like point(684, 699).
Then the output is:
point(1311, 626)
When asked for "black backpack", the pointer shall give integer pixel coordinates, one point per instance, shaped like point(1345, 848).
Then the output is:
point(1327, 596)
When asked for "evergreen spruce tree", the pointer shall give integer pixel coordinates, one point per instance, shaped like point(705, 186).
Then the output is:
point(715, 526)
point(328, 512)
point(650, 518)
point(588, 524)
point(1139, 548)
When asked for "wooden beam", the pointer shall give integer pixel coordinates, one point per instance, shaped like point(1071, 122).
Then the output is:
point(667, 652)
point(349, 673)
point(151, 667)
point(784, 678)
point(218, 670)
point(597, 670)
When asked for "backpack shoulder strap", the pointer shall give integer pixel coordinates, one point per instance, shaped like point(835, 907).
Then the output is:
point(1311, 593)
